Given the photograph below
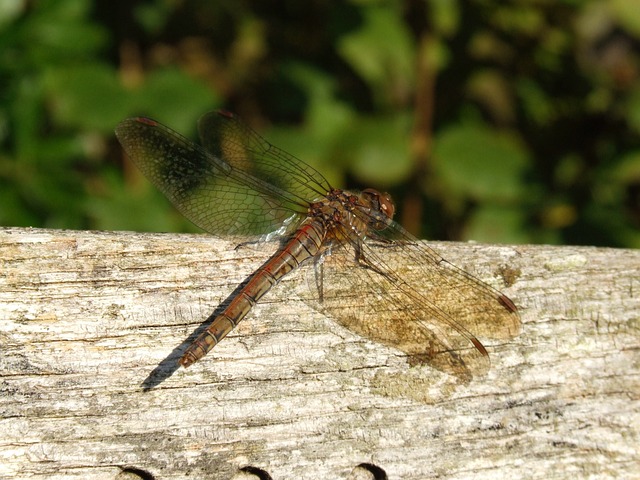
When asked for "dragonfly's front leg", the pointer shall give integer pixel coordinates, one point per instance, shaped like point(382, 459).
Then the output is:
point(318, 271)
point(364, 262)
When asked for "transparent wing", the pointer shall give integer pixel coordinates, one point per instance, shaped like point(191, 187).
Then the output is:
point(226, 136)
point(237, 185)
point(404, 294)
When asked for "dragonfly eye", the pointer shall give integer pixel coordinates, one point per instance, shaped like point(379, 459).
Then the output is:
point(381, 208)
point(386, 205)
point(380, 202)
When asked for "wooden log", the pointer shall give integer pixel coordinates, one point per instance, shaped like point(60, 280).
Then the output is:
point(92, 325)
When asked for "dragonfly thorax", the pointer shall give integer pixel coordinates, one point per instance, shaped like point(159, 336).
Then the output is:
point(347, 215)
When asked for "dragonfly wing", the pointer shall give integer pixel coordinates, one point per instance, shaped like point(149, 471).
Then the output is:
point(226, 136)
point(208, 190)
point(406, 296)
point(465, 300)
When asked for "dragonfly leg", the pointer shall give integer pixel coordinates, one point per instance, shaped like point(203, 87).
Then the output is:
point(248, 243)
point(319, 271)
point(364, 262)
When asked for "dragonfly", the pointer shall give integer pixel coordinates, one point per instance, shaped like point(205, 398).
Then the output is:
point(363, 268)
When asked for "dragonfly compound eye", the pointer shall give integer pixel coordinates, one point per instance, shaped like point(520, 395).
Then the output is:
point(379, 202)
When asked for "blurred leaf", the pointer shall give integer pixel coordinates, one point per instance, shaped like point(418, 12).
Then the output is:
point(535, 102)
point(173, 97)
point(436, 55)
point(316, 83)
point(13, 209)
point(627, 12)
point(88, 96)
point(26, 115)
point(520, 18)
point(496, 224)
point(486, 45)
point(377, 149)
point(326, 116)
point(627, 169)
point(480, 163)
point(558, 215)
point(305, 144)
point(489, 88)
point(567, 170)
point(314, 143)
point(61, 151)
point(141, 209)
point(59, 29)
point(326, 119)
point(445, 16)
point(381, 51)
point(153, 16)
point(10, 10)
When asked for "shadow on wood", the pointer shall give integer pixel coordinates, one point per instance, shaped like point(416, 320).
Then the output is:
point(169, 365)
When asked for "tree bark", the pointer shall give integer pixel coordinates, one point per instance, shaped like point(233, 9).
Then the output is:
point(92, 325)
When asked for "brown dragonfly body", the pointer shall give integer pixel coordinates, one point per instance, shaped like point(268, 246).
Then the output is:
point(307, 243)
point(239, 184)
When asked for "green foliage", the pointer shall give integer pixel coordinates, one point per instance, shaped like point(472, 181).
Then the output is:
point(380, 51)
point(513, 122)
point(478, 162)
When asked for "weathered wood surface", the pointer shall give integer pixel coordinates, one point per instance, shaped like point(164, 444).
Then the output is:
point(92, 325)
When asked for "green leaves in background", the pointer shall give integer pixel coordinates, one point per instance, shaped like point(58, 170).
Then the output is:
point(60, 101)
point(503, 121)
point(381, 51)
point(85, 96)
point(480, 163)
point(377, 150)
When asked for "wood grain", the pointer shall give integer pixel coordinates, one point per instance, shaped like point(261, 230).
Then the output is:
point(92, 325)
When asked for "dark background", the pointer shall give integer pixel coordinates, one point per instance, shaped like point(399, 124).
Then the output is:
point(495, 121)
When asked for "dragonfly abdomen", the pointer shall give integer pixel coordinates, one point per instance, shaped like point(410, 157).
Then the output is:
point(304, 244)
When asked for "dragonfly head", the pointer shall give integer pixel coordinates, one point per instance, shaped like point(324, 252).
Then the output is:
point(380, 204)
